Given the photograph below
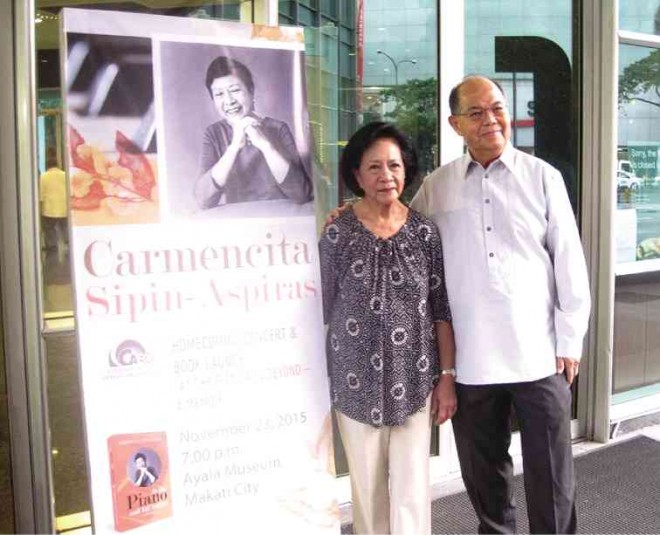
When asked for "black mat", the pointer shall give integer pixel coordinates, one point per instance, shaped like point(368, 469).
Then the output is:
point(618, 492)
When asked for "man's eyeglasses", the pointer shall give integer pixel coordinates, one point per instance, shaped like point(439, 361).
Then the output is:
point(478, 114)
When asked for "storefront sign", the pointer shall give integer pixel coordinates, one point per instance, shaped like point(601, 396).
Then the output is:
point(198, 309)
point(644, 160)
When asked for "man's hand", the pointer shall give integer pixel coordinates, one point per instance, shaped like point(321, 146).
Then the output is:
point(336, 212)
point(568, 366)
point(443, 399)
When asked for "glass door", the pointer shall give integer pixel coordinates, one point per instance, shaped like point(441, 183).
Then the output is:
point(24, 467)
point(532, 49)
point(636, 366)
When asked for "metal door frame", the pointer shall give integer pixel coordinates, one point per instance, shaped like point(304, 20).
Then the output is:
point(19, 281)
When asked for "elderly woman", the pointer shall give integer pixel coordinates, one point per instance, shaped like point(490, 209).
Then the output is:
point(390, 345)
point(246, 157)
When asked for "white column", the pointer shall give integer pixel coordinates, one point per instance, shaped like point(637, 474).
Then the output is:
point(599, 112)
point(451, 65)
point(451, 69)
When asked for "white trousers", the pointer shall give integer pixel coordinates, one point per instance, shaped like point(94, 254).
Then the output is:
point(389, 469)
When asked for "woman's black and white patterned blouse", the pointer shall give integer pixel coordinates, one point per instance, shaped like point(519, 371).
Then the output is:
point(381, 298)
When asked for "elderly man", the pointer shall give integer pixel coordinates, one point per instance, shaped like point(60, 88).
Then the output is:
point(519, 295)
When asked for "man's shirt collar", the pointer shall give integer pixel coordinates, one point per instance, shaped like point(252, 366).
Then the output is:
point(508, 158)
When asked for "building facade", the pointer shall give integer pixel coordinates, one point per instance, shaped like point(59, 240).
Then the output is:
point(581, 80)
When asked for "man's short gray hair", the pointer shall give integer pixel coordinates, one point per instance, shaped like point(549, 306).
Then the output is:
point(455, 94)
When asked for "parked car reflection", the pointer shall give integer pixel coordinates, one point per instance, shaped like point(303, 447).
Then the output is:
point(627, 182)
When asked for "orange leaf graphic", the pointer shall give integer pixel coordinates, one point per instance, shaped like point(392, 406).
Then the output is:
point(133, 159)
point(81, 159)
point(92, 200)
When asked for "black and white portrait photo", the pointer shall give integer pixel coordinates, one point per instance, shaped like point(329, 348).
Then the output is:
point(234, 129)
point(144, 468)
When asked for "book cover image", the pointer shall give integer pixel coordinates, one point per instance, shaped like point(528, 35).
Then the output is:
point(139, 471)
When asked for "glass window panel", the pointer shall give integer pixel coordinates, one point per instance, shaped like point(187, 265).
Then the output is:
point(347, 35)
point(637, 220)
point(307, 17)
point(329, 50)
point(347, 64)
point(636, 336)
point(528, 48)
point(641, 16)
point(347, 16)
point(329, 7)
point(66, 433)
point(400, 73)
point(638, 175)
point(287, 8)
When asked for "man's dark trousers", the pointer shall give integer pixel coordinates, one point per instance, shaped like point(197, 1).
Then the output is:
point(483, 435)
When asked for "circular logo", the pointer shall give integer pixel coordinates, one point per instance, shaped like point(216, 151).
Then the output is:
point(129, 353)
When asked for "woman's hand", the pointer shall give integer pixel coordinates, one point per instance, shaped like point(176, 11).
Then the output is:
point(242, 130)
point(254, 133)
point(443, 399)
point(277, 162)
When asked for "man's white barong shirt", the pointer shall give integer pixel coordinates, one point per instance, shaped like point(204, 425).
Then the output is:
point(514, 266)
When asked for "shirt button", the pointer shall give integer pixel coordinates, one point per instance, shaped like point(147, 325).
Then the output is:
point(489, 229)
point(487, 201)
point(491, 255)
point(486, 176)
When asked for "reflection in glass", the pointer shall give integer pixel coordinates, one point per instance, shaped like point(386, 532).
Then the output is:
point(67, 439)
point(637, 334)
point(641, 16)
point(54, 236)
point(637, 220)
point(400, 78)
point(638, 158)
point(528, 48)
